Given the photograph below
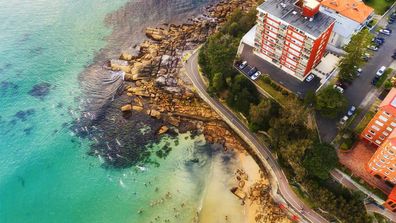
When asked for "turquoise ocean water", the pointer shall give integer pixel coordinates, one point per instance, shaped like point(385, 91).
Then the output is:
point(45, 174)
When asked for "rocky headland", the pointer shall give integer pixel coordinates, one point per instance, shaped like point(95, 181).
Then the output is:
point(157, 95)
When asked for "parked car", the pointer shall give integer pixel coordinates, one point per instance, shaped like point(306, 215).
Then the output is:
point(351, 111)
point(256, 75)
point(380, 71)
point(373, 48)
point(378, 40)
point(344, 120)
point(243, 65)
point(310, 78)
point(252, 71)
point(359, 72)
point(394, 55)
point(375, 80)
point(385, 31)
point(391, 21)
point(366, 57)
point(343, 85)
point(338, 88)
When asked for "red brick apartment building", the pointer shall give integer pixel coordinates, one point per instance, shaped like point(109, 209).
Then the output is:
point(382, 124)
point(380, 133)
point(292, 35)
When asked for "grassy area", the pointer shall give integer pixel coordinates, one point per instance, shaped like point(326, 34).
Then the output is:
point(383, 78)
point(367, 117)
point(303, 196)
point(361, 182)
point(380, 218)
point(380, 6)
point(280, 94)
point(372, 23)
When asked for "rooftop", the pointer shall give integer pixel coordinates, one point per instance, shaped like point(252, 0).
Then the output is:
point(389, 103)
point(289, 12)
point(311, 3)
point(353, 9)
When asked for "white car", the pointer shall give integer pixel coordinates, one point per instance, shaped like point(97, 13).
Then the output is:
point(371, 47)
point(338, 88)
point(359, 71)
point(310, 78)
point(243, 65)
point(256, 75)
point(385, 31)
point(344, 120)
point(381, 71)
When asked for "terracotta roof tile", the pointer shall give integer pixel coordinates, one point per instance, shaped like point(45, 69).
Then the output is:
point(353, 9)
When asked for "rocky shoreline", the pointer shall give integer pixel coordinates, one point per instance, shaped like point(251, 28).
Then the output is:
point(157, 97)
point(256, 194)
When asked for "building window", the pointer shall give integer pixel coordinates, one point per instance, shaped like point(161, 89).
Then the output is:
point(385, 133)
point(382, 137)
point(372, 132)
point(369, 136)
point(378, 141)
point(375, 127)
point(379, 123)
point(382, 118)
point(389, 129)
point(386, 113)
point(393, 124)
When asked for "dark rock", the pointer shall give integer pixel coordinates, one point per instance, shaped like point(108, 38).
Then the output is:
point(28, 131)
point(40, 90)
point(23, 115)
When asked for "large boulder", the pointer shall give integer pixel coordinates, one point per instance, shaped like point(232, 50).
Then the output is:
point(163, 129)
point(154, 113)
point(174, 121)
point(126, 56)
point(137, 108)
point(126, 108)
point(160, 81)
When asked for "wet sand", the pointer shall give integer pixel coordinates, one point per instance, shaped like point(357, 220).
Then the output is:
point(219, 204)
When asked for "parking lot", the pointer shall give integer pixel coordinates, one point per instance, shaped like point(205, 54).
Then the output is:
point(276, 74)
point(362, 86)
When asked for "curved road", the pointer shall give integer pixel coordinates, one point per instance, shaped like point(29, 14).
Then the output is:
point(281, 184)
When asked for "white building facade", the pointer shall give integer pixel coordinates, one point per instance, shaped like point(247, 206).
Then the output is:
point(351, 17)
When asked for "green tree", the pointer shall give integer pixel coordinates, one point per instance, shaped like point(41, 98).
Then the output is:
point(293, 153)
point(320, 159)
point(217, 56)
point(310, 98)
point(356, 48)
point(261, 114)
point(218, 83)
point(330, 102)
point(243, 93)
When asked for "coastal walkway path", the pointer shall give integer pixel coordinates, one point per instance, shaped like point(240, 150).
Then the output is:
point(281, 190)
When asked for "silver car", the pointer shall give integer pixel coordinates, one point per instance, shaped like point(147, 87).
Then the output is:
point(310, 78)
point(255, 75)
